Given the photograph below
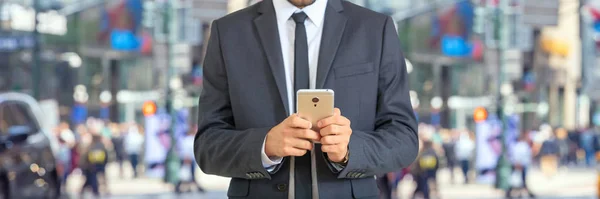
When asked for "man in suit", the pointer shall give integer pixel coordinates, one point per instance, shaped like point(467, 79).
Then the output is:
point(258, 57)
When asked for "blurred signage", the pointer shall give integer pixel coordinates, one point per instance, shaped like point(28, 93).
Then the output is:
point(12, 43)
point(455, 46)
point(23, 19)
point(513, 63)
point(480, 114)
point(123, 40)
point(556, 46)
point(541, 13)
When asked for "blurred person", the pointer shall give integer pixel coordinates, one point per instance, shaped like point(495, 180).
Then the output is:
point(93, 161)
point(597, 142)
point(424, 169)
point(134, 143)
point(465, 149)
point(521, 158)
point(562, 140)
point(549, 155)
point(247, 104)
point(64, 158)
point(80, 135)
point(117, 140)
point(587, 144)
point(99, 132)
point(573, 139)
point(449, 145)
point(187, 162)
point(106, 128)
point(389, 182)
point(383, 184)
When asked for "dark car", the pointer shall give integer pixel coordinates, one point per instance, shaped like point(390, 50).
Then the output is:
point(27, 151)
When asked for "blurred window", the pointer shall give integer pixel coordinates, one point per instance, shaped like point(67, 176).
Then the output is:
point(16, 118)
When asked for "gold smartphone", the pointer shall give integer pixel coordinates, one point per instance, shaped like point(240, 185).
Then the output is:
point(315, 104)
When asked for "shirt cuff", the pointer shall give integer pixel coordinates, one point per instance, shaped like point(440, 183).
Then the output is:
point(333, 166)
point(337, 166)
point(268, 163)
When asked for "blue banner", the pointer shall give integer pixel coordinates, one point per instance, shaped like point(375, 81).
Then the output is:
point(455, 46)
point(78, 114)
point(124, 40)
point(12, 43)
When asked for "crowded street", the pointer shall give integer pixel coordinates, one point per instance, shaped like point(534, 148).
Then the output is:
point(299, 99)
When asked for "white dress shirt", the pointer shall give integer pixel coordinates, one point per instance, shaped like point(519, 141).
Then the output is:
point(287, 27)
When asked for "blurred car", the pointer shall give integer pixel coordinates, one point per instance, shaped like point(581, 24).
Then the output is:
point(27, 151)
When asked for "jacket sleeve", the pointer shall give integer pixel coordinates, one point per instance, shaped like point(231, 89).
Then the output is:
point(393, 144)
point(219, 148)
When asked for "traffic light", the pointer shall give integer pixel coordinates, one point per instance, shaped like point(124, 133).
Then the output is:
point(480, 114)
point(149, 108)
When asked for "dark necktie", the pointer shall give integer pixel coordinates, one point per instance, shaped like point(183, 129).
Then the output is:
point(301, 81)
point(301, 77)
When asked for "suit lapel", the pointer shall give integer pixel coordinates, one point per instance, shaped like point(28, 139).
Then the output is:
point(266, 25)
point(333, 30)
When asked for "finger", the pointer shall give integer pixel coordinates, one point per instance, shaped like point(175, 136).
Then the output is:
point(337, 112)
point(302, 144)
point(336, 119)
point(296, 121)
point(332, 140)
point(330, 148)
point(335, 129)
point(291, 151)
point(307, 134)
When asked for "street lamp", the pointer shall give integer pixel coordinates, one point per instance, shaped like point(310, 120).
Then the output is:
point(80, 95)
point(105, 97)
point(72, 58)
point(437, 103)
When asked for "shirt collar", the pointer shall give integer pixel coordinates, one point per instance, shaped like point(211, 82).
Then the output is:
point(315, 12)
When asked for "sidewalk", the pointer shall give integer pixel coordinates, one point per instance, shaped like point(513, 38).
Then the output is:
point(143, 185)
point(569, 183)
point(566, 184)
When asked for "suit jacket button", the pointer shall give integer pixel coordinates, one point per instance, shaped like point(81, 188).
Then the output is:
point(282, 187)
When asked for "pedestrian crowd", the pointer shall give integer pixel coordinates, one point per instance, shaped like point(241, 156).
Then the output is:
point(89, 147)
point(546, 148)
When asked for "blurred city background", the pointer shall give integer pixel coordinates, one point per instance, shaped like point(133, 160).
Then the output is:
point(100, 97)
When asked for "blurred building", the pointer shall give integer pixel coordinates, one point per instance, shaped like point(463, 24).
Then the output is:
point(564, 62)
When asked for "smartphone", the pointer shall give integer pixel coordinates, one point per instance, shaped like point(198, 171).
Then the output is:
point(315, 104)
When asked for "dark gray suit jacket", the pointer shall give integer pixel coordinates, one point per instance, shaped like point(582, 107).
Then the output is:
point(245, 96)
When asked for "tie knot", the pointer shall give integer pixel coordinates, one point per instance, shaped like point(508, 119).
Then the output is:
point(299, 17)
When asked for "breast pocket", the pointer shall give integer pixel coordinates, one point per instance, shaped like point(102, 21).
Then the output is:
point(353, 70)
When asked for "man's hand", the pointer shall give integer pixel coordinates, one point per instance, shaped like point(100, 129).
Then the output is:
point(290, 138)
point(335, 132)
